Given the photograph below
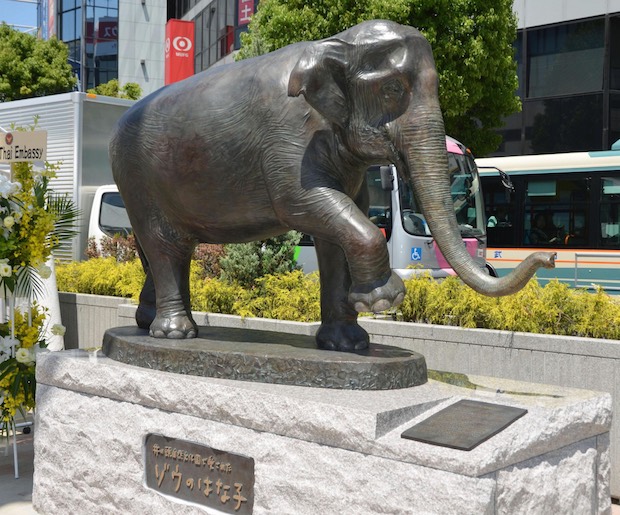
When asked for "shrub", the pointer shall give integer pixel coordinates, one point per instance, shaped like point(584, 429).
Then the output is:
point(102, 276)
point(208, 256)
point(289, 296)
point(552, 309)
point(122, 248)
point(212, 294)
point(245, 262)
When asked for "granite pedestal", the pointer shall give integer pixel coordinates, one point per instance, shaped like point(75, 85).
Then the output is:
point(314, 450)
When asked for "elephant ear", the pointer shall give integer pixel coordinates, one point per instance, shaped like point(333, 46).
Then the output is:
point(320, 76)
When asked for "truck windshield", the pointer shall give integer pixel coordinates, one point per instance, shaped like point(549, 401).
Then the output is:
point(113, 218)
point(466, 195)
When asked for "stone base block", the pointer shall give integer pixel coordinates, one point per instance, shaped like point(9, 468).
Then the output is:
point(314, 450)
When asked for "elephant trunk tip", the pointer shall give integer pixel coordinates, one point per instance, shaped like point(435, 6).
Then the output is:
point(546, 259)
point(522, 274)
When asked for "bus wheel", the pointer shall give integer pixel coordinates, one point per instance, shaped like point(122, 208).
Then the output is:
point(491, 270)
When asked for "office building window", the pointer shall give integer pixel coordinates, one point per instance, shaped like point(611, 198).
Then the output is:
point(214, 33)
point(568, 103)
point(614, 53)
point(614, 118)
point(566, 59)
point(568, 124)
point(101, 38)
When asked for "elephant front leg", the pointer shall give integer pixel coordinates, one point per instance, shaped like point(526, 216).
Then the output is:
point(355, 274)
point(339, 328)
point(374, 286)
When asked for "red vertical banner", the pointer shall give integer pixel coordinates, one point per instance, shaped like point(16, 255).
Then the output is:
point(179, 57)
point(245, 10)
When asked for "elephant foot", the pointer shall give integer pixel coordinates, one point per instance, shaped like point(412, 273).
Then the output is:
point(145, 314)
point(176, 327)
point(342, 336)
point(377, 297)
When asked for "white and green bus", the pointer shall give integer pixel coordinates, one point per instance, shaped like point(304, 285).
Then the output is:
point(567, 203)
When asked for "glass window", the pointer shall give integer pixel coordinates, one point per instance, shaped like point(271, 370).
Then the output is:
point(101, 38)
point(568, 124)
point(68, 32)
point(566, 59)
point(67, 5)
point(614, 119)
point(466, 196)
point(214, 33)
point(614, 53)
point(609, 236)
point(113, 217)
point(518, 48)
point(380, 210)
point(556, 212)
point(500, 205)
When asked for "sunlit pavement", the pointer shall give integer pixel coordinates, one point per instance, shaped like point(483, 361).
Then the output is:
point(16, 494)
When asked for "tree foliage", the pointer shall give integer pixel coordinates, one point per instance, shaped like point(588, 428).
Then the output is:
point(31, 67)
point(131, 90)
point(471, 40)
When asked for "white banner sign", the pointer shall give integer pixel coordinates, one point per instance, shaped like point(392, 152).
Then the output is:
point(23, 146)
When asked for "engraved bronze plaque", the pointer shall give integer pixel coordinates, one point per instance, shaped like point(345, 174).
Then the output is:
point(464, 425)
point(199, 474)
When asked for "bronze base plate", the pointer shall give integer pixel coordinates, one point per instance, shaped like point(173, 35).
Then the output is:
point(465, 424)
point(267, 357)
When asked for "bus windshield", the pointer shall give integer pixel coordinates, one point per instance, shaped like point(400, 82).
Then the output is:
point(466, 195)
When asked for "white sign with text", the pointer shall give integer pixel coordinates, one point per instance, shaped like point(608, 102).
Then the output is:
point(23, 146)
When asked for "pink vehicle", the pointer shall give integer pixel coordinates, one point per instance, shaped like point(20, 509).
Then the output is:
point(393, 208)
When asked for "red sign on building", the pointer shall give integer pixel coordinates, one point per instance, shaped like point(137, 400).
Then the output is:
point(179, 58)
point(246, 10)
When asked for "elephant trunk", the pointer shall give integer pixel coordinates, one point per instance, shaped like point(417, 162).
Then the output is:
point(420, 141)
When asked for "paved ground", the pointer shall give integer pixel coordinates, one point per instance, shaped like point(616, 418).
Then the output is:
point(16, 494)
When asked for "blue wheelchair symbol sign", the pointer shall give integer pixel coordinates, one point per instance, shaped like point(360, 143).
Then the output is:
point(416, 254)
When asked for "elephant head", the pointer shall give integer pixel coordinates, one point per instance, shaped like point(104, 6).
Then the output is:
point(378, 86)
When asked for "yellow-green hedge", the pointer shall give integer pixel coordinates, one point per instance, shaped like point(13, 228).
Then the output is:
point(288, 296)
point(552, 309)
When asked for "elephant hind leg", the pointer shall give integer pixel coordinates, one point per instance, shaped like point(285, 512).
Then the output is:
point(147, 307)
point(164, 301)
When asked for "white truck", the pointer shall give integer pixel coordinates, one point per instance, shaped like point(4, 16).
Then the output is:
point(79, 127)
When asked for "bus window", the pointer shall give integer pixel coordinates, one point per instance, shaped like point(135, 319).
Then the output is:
point(556, 212)
point(413, 219)
point(500, 205)
point(609, 235)
point(380, 210)
point(466, 195)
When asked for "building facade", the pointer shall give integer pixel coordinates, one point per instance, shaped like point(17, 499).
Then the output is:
point(110, 39)
point(217, 24)
point(568, 55)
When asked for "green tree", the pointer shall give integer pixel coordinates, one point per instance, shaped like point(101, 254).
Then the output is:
point(471, 40)
point(131, 90)
point(31, 67)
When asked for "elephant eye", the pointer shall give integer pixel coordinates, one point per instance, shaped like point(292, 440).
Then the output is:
point(393, 88)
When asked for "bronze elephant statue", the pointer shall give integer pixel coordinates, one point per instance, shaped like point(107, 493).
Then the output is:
point(252, 149)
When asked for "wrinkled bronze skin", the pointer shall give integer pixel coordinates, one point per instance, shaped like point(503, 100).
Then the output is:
point(252, 149)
